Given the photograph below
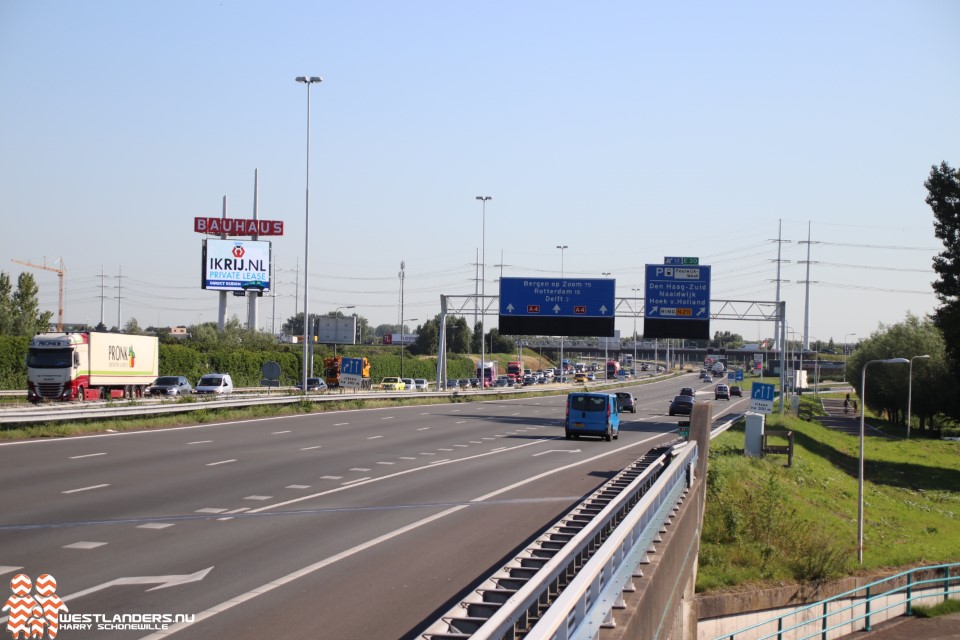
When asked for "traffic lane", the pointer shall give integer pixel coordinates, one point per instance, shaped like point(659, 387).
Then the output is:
point(252, 492)
point(128, 480)
point(439, 480)
point(388, 590)
point(130, 470)
point(243, 560)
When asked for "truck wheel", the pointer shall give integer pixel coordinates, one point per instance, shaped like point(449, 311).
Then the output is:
point(81, 394)
point(128, 392)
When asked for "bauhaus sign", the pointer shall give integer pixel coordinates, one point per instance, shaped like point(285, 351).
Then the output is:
point(238, 227)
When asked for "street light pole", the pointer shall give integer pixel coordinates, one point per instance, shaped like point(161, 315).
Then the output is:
point(910, 390)
point(483, 268)
point(863, 411)
point(562, 248)
point(635, 329)
point(307, 347)
point(845, 354)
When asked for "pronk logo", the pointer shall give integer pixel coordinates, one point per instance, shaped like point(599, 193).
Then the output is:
point(35, 615)
point(238, 250)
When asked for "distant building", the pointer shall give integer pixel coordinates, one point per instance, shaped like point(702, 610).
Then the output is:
point(179, 332)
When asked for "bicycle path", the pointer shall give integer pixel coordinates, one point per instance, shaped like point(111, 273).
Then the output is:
point(847, 422)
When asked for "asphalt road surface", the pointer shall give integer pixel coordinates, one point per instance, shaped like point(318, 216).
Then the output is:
point(358, 524)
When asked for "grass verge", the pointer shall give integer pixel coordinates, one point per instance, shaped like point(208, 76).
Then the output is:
point(944, 608)
point(766, 523)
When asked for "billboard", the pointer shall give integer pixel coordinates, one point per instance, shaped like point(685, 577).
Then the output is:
point(236, 265)
point(334, 330)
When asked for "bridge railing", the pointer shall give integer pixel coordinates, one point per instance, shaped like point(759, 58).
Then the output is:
point(858, 609)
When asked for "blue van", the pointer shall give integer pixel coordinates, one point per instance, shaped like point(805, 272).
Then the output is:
point(592, 414)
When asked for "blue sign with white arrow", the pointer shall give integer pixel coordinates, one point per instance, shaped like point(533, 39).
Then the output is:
point(677, 292)
point(557, 297)
point(762, 391)
point(351, 366)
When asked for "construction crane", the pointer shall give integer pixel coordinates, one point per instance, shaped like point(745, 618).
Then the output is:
point(61, 272)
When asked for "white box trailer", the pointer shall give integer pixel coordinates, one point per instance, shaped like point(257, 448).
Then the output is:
point(90, 365)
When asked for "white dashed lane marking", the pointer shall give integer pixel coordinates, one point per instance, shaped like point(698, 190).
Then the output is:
point(96, 486)
point(89, 455)
point(84, 545)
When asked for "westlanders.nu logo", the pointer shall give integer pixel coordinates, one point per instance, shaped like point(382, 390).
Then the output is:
point(35, 615)
point(42, 614)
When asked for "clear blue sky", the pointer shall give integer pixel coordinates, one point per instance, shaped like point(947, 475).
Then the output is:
point(628, 131)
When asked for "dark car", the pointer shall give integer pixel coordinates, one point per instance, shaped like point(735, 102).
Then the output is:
point(736, 391)
point(465, 383)
point(314, 384)
point(721, 391)
point(170, 386)
point(453, 384)
point(474, 382)
point(682, 406)
point(626, 402)
point(688, 391)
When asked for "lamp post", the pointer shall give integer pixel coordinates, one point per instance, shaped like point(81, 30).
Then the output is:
point(562, 248)
point(335, 312)
point(910, 390)
point(307, 347)
point(845, 354)
point(635, 329)
point(403, 346)
point(863, 411)
point(483, 259)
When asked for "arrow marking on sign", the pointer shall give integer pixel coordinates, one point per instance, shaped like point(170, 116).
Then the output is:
point(510, 308)
point(603, 309)
point(556, 308)
point(701, 310)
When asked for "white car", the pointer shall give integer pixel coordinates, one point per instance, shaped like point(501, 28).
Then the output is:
point(216, 383)
point(409, 384)
point(420, 384)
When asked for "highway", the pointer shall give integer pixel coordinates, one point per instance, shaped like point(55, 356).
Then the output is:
point(346, 525)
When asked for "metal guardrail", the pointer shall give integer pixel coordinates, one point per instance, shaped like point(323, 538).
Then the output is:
point(856, 609)
point(516, 600)
point(572, 594)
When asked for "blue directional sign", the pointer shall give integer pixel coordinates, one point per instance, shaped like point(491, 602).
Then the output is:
point(739, 375)
point(761, 398)
point(677, 293)
point(557, 306)
point(564, 297)
point(351, 366)
point(762, 391)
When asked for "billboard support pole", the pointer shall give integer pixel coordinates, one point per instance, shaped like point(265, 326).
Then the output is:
point(222, 311)
point(252, 297)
